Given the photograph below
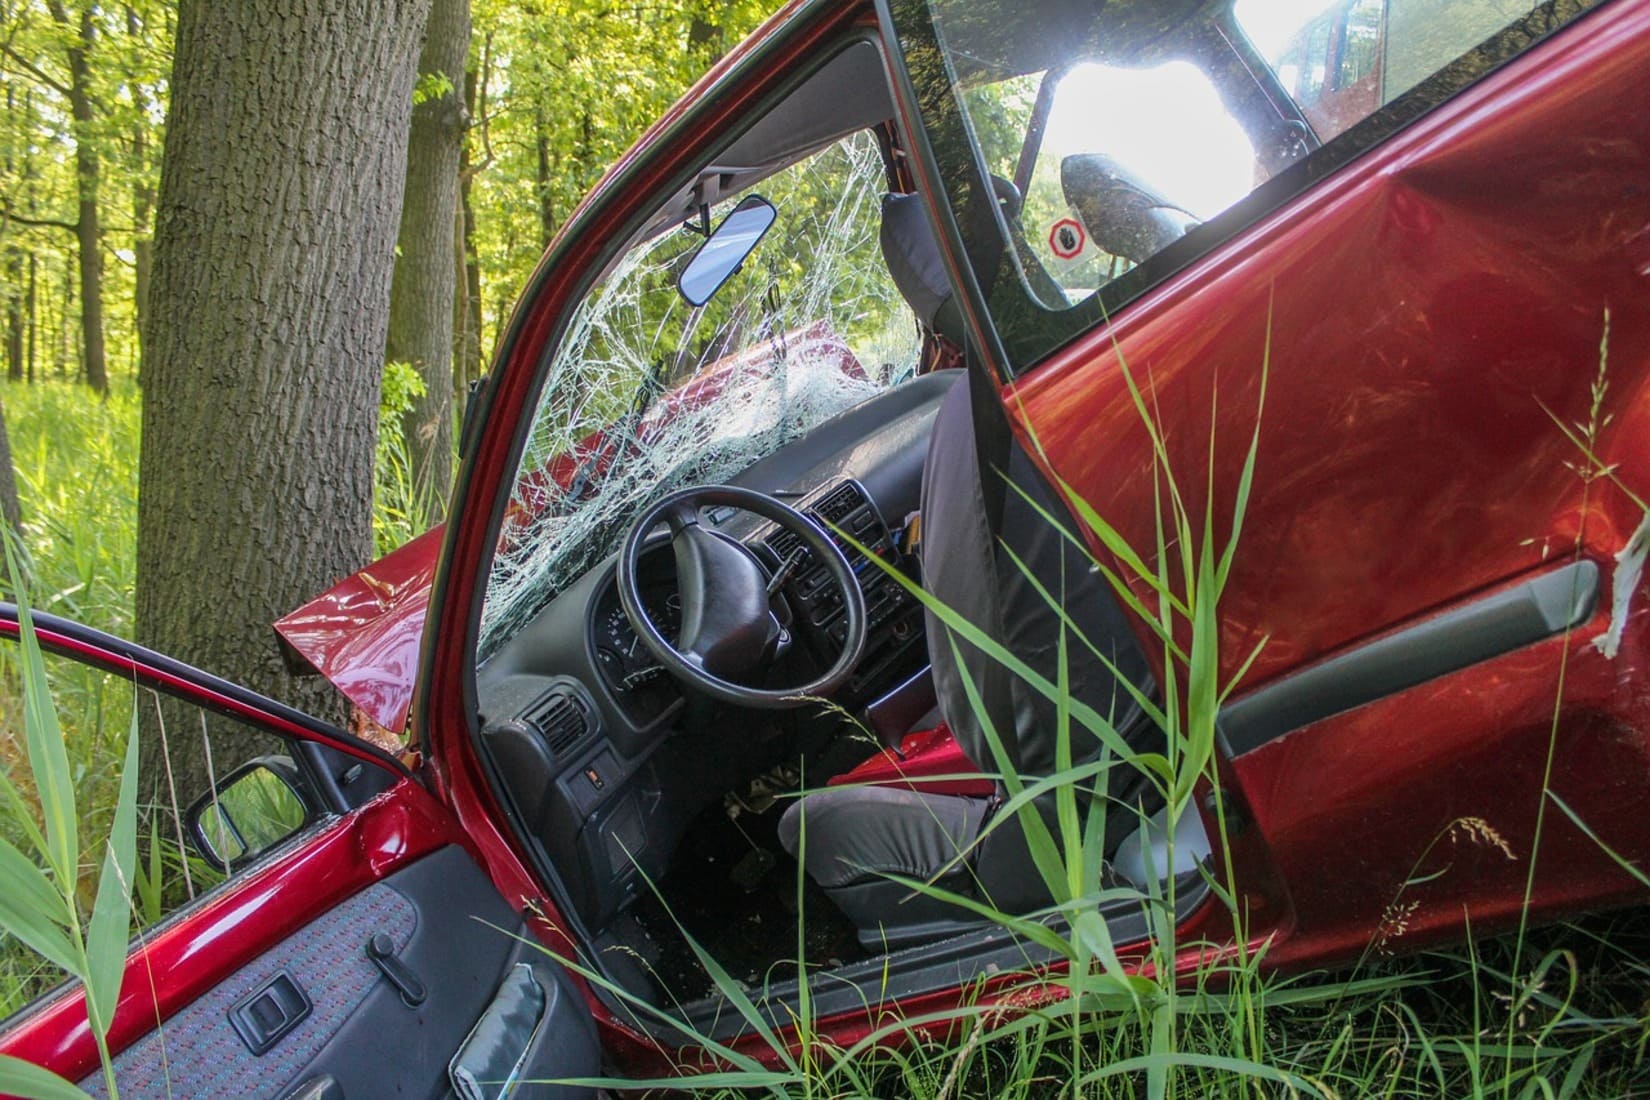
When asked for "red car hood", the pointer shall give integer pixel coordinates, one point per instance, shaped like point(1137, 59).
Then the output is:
point(364, 632)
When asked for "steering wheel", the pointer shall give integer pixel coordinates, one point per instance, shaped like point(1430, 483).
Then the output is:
point(728, 625)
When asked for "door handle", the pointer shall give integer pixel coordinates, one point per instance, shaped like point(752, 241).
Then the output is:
point(316, 1088)
point(269, 1012)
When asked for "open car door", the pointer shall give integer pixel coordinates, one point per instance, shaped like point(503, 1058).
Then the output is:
point(346, 944)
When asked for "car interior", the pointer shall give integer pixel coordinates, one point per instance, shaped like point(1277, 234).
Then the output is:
point(674, 724)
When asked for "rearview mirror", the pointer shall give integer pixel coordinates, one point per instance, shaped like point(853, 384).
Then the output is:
point(724, 251)
point(251, 810)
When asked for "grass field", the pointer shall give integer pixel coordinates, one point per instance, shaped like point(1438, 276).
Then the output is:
point(1558, 1012)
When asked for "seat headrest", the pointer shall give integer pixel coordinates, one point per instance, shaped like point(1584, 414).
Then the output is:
point(913, 257)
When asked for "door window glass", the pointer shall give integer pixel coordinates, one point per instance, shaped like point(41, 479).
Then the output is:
point(95, 710)
point(1127, 139)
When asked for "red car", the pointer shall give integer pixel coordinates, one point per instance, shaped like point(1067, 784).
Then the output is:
point(885, 285)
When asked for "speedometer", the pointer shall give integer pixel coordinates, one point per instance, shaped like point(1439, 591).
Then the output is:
point(618, 635)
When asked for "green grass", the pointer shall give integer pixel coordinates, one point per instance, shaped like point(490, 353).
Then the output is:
point(1555, 1012)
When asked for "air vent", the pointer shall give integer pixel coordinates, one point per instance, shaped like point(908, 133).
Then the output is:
point(782, 542)
point(834, 507)
point(839, 503)
point(560, 719)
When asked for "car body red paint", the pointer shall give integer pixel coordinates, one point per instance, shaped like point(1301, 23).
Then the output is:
point(1429, 308)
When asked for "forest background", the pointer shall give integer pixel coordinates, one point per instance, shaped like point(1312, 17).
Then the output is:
point(276, 461)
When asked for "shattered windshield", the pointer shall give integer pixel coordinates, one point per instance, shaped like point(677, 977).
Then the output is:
point(648, 393)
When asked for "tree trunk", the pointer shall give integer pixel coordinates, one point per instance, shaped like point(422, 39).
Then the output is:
point(10, 512)
point(542, 182)
point(274, 243)
point(14, 314)
point(424, 288)
point(32, 311)
point(12, 290)
point(88, 230)
point(475, 98)
point(143, 195)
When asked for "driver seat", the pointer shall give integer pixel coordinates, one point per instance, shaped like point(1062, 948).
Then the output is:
point(850, 839)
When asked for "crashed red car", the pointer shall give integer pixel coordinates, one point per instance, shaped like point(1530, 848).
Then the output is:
point(878, 287)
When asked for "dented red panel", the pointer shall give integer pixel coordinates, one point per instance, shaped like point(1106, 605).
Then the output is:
point(363, 633)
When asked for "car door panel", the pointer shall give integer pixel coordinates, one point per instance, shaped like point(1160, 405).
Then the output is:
point(397, 864)
point(449, 929)
point(1551, 602)
point(1433, 312)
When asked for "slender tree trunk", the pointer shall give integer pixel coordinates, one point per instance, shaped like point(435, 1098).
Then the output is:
point(423, 291)
point(10, 512)
point(143, 194)
point(275, 232)
point(12, 290)
point(88, 170)
point(547, 201)
point(14, 314)
point(32, 310)
point(475, 97)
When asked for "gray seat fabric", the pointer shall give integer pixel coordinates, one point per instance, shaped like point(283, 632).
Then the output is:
point(913, 258)
point(856, 836)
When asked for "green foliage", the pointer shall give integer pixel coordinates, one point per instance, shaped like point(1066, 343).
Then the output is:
point(432, 86)
point(564, 87)
point(398, 500)
point(40, 888)
point(76, 464)
point(129, 63)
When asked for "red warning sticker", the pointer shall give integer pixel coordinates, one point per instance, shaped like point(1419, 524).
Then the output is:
point(1067, 238)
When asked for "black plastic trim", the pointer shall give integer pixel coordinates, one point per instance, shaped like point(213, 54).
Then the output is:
point(1483, 629)
point(885, 979)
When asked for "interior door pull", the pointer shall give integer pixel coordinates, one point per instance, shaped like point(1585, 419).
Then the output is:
point(381, 950)
point(269, 1012)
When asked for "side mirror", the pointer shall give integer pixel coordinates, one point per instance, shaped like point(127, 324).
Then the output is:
point(251, 810)
point(724, 251)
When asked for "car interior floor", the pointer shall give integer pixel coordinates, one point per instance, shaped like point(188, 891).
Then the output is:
point(733, 888)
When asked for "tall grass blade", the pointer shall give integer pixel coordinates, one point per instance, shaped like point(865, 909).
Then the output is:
point(33, 910)
point(25, 1079)
point(111, 926)
point(48, 757)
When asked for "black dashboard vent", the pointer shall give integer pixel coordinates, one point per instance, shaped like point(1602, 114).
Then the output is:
point(560, 719)
point(839, 503)
point(782, 542)
point(831, 509)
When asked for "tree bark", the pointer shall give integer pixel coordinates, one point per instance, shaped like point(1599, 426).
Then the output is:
point(10, 511)
point(88, 172)
point(468, 324)
point(143, 194)
point(14, 314)
point(275, 231)
point(12, 291)
point(425, 284)
point(542, 181)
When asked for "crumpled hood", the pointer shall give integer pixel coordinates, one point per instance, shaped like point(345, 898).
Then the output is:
point(363, 633)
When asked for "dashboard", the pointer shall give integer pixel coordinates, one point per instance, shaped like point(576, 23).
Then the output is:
point(603, 757)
